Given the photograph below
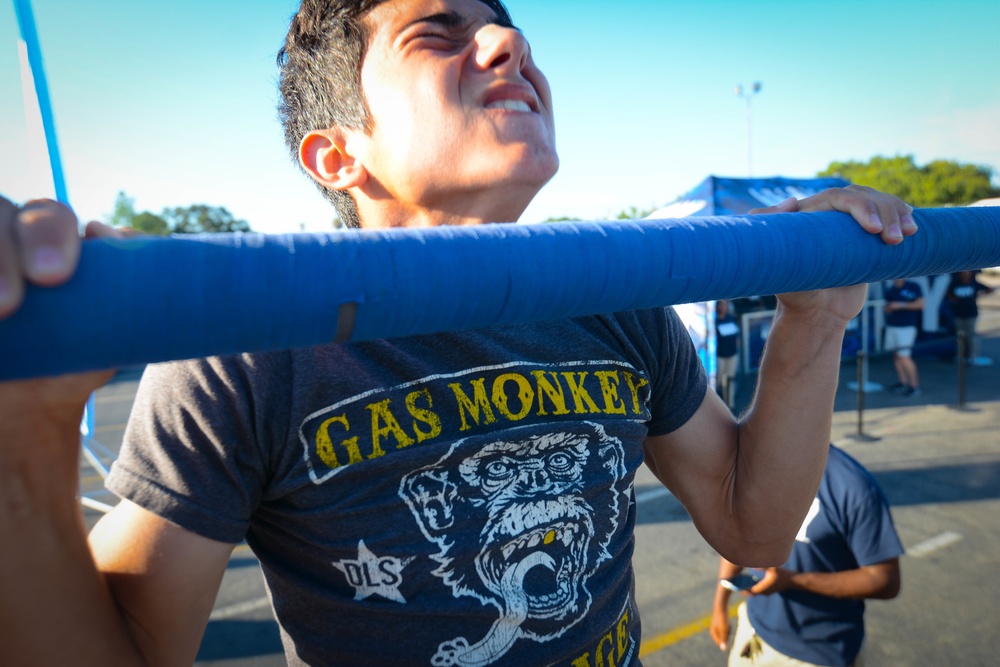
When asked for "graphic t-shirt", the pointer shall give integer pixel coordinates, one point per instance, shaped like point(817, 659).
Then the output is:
point(908, 293)
point(456, 499)
point(727, 336)
point(848, 526)
point(964, 295)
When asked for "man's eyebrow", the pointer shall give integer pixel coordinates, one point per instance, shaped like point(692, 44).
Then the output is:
point(450, 20)
point(453, 20)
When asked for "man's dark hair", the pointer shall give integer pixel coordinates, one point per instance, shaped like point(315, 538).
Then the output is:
point(320, 77)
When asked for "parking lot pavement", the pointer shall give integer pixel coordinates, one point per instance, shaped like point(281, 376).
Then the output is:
point(940, 467)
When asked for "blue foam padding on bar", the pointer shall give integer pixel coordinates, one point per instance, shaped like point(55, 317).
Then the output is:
point(154, 299)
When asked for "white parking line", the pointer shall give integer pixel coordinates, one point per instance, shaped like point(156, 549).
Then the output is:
point(652, 494)
point(933, 544)
point(239, 609)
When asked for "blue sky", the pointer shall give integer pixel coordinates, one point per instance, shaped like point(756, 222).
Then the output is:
point(173, 101)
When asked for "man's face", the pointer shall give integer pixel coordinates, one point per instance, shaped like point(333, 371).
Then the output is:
point(462, 118)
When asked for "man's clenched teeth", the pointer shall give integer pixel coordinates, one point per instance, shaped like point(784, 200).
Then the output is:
point(513, 105)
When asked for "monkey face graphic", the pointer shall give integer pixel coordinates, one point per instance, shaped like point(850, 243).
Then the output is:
point(515, 529)
point(531, 493)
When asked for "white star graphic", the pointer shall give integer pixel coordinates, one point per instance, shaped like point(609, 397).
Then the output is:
point(374, 575)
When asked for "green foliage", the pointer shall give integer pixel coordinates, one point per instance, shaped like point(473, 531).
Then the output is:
point(200, 218)
point(937, 183)
point(178, 220)
point(150, 223)
point(633, 213)
point(124, 211)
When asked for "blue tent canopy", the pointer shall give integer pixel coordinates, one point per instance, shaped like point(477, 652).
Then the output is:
point(734, 196)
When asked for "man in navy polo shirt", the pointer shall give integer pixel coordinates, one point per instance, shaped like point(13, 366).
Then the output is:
point(962, 293)
point(727, 342)
point(811, 610)
point(904, 302)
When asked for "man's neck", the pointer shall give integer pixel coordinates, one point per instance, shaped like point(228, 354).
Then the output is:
point(385, 213)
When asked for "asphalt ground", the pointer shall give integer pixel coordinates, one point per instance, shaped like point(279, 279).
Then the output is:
point(938, 462)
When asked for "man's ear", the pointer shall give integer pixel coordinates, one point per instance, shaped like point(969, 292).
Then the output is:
point(324, 156)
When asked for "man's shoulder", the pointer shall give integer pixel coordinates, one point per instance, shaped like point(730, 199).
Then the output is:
point(851, 478)
point(643, 321)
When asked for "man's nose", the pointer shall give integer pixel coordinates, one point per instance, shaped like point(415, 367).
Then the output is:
point(501, 47)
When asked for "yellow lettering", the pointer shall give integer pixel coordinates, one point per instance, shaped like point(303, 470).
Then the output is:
point(579, 394)
point(634, 387)
point(555, 393)
point(610, 655)
point(324, 444)
point(423, 415)
point(524, 394)
point(622, 634)
point(472, 406)
point(605, 653)
point(381, 413)
point(613, 405)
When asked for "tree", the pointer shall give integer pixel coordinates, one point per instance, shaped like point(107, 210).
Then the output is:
point(150, 223)
point(177, 220)
point(201, 218)
point(630, 213)
point(124, 211)
point(633, 213)
point(938, 183)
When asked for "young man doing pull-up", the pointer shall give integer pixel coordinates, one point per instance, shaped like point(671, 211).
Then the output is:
point(453, 499)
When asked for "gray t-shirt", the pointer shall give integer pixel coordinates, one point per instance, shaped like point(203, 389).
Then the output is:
point(455, 499)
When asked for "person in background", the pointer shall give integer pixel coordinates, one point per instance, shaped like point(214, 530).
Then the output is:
point(477, 485)
point(963, 292)
point(727, 344)
point(810, 611)
point(904, 302)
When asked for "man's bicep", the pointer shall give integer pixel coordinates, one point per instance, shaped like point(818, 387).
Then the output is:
point(163, 578)
point(885, 579)
point(696, 462)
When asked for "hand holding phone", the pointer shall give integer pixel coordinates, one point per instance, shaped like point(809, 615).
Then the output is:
point(742, 582)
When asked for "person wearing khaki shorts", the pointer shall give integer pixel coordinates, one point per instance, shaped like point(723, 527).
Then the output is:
point(810, 611)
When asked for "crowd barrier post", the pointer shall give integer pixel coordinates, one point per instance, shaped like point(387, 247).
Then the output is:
point(963, 357)
point(862, 367)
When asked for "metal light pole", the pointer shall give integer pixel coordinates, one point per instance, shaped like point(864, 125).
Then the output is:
point(748, 95)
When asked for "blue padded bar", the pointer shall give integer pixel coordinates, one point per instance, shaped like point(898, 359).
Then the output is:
point(155, 299)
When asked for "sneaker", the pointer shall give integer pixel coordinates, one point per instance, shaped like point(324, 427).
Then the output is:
point(911, 391)
point(898, 388)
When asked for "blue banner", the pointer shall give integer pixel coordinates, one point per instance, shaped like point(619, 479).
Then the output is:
point(734, 196)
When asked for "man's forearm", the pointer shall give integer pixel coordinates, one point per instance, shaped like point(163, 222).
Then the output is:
point(55, 608)
point(785, 435)
point(858, 584)
point(727, 570)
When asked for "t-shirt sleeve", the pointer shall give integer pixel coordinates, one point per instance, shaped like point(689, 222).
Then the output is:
point(872, 535)
point(681, 382)
point(192, 451)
